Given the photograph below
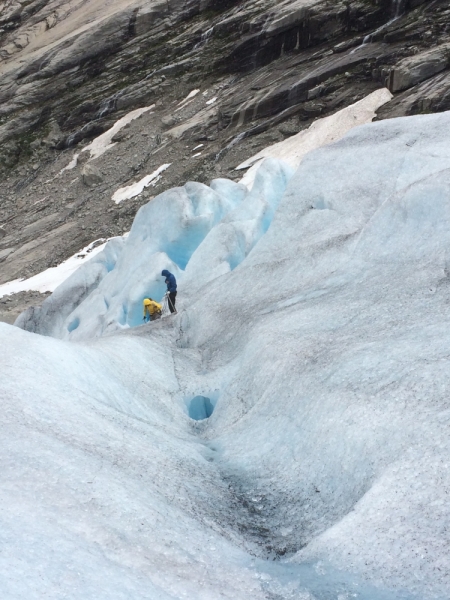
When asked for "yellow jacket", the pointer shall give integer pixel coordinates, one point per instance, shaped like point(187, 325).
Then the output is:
point(151, 307)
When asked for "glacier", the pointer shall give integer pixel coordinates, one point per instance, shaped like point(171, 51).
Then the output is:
point(198, 232)
point(314, 315)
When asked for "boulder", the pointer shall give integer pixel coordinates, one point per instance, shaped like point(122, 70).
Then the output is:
point(168, 121)
point(55, 135)
point(415, 69)
point(91, 175)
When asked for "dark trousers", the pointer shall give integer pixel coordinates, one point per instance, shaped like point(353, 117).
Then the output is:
point(172, 300)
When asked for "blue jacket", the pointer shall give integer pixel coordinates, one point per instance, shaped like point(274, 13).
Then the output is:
point(170, 281)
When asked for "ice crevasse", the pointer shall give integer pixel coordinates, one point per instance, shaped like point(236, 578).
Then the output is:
point(315, 315)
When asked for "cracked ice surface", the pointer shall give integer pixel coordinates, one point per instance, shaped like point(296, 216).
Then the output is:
point(326, 351)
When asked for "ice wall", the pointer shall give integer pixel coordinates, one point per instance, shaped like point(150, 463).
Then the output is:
point(169, 232)
point(227, 244)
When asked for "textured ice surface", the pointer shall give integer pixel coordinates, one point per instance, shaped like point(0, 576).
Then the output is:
point(291, 151)
point(227, 244)
point(323, 472)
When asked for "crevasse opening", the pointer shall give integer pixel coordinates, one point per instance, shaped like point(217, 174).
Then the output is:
point(200, 408)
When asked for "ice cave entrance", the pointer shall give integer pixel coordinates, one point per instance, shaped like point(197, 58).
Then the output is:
point(200, 408)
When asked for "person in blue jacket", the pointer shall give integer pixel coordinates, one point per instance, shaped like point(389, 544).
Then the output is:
point(171, 283)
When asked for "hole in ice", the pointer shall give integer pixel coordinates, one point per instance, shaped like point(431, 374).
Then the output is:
point(73, 325)
point(200, 408)
point(319, 204)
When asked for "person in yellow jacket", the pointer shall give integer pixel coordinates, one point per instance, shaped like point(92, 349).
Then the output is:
point(152, 309)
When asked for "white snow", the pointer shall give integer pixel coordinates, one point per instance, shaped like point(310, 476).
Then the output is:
point(72, 164)
point(136, 188)
point(103, 142)
point(196, 155)
point(323, 131)
point(187, 100)
point(315, 317)
point(50, 279)
point(212, 100)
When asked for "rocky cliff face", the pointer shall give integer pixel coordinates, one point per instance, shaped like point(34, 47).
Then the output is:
point(213, 72)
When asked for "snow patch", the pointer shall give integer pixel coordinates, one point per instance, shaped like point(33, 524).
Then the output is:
point(73, 163)
point(188, 99)
point(136, 188)
point(103, 142)
point(50, 279)
point(322, 132)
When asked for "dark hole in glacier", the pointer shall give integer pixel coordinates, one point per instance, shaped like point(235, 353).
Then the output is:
point(200, 408)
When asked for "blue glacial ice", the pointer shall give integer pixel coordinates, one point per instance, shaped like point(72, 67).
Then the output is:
point(106, 294)
point(323, 471)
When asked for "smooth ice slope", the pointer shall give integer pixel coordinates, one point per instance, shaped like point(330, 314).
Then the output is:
point(323, 472)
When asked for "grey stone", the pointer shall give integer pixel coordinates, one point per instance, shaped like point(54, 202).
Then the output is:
point(91, 175)
point(418, 68)
point(83, 158)
point(5, 253)
point(168, 121)
point(55, 135)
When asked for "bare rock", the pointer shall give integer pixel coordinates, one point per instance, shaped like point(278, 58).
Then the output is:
point(121, 134)
point(418, 68)
point(91, 175)
point(54, 137)
point(168, 121)
point(5, 253)
point(83, 158)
